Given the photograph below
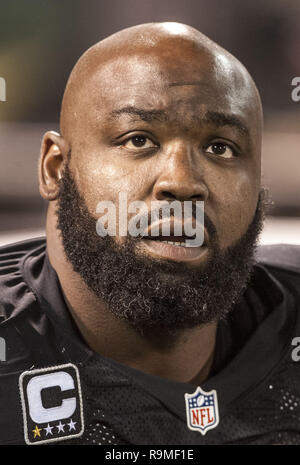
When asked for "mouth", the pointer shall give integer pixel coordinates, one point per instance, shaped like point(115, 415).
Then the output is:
point(178, 241)
point(177, 248)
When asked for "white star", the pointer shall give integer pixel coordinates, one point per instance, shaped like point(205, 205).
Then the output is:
point(71, 425)
point(60, 427)
point(49, 430)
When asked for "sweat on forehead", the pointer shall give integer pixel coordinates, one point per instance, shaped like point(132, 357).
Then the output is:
point(139, 55)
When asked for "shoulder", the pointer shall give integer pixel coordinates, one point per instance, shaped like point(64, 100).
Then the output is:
point(19, 309)
point(11, 418)
point(22, 246)
point(281, 256)
point(14, 290)
point(12, 255)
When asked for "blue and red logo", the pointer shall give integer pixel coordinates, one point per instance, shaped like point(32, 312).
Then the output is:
point(202, 410)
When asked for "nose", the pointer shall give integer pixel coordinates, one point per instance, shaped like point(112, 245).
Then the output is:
point(181, 177)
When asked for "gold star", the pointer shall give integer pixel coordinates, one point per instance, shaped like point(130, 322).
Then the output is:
point(37, 431)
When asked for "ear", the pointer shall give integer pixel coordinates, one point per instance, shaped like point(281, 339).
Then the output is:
point(54, 152)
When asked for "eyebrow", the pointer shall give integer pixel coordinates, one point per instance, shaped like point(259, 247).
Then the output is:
point(218, 119)
point(145, 115)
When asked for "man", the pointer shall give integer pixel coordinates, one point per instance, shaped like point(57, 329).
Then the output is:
point(148, 339)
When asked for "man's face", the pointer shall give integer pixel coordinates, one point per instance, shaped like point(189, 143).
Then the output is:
point(170, 125)
point(150, 128)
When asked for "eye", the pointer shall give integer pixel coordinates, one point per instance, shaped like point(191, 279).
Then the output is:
point(139, 142)
point(221, 149)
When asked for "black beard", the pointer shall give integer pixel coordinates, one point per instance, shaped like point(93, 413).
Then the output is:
point(151, 295)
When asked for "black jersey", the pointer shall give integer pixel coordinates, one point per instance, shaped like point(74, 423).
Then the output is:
point(53, 388)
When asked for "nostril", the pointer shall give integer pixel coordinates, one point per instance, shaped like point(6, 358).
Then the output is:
point(168, 195)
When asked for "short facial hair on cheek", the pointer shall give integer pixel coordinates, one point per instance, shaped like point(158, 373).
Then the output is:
point(152, 295)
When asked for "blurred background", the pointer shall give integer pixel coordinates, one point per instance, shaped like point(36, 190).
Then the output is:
point(40, 41)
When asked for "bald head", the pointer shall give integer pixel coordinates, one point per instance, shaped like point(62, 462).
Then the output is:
point(130, 56)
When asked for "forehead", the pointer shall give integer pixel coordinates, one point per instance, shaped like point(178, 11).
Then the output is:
point(183, 84)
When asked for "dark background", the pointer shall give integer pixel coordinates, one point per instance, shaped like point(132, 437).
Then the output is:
point(40, 41)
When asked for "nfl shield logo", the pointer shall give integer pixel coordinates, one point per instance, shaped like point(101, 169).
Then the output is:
point(202, 410)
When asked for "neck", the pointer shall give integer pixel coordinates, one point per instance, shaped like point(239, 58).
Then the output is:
point(185, 357)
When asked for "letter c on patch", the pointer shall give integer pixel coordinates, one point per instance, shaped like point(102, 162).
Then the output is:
point(38, 412)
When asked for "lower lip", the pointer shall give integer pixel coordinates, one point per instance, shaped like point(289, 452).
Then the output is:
point(161, 249)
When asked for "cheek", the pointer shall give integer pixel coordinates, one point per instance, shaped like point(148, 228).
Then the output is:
point(101, 180)
point(235, 208)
